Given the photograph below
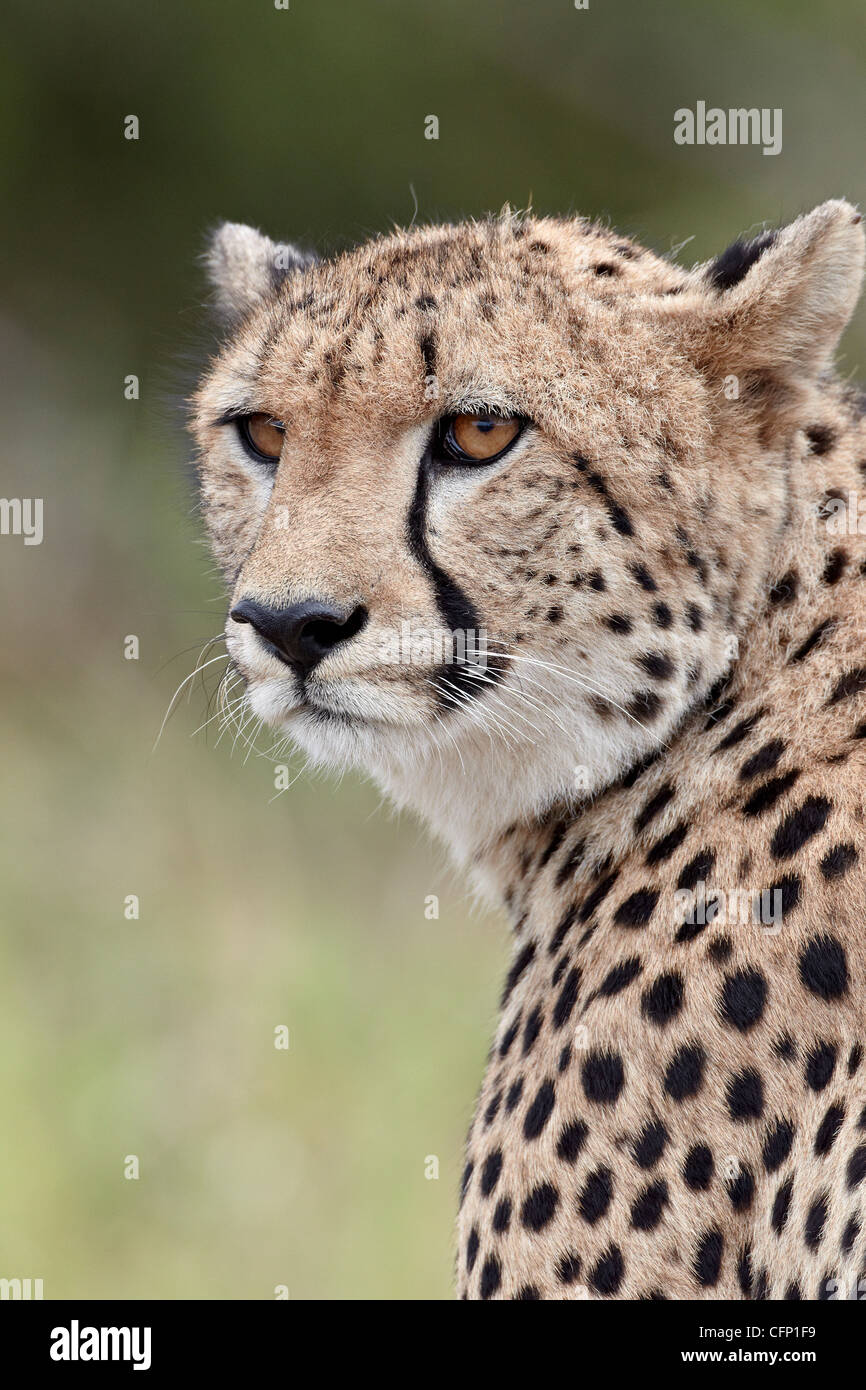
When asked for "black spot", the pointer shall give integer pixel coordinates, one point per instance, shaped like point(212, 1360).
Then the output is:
point(515, 1091)
point(851, 684)
point(647, 1208)
point(606, 1277)
point(744, 1272)
point(650, 1146)
point(694, 617)
point(800, 826)
point(491, 1277)
point(768, 794)
point(828, 1130)
point(745, 1095)
point(816, 636)
point(734, 264)
point(618, 622)
point(490, 1172)
point(824, 967)
point(688, 931)
point(777, 1145)
point(567, 998)
point(764, 760)
point(664, 998)
point(685, 1072)
point(697, 870)
point(637, 909)
point(528, 1294)
point(835, 566)
point(855, 1057)
point(597, 896)
point(644, 704)
point(720, 950)
point(849, 1235)
point(562, 930)
point(781, 1205)
point(739, 732)
point(465, 1179)
point(784, 591)
point(816, 1219)
point(502, 1216)
point(662, 615)
point(820, 1065)
point(607, 268)
point(644, 578)
point(538, 1209)
point(640, 767)
point(821, 437)
point(789, 890)
point(656, 804)
point(555, 614)
point(708, 1259)
point(619, 977)
point(698, 1168)
point(571, 1141)
point(596, 1196)
point(838, 860)
point(743, 998)
point(556, 839)
point(508, 1038)
point(856, 1171)
point(532, 1030)
point(568, 1269)
point(741, 1190)
point(656, 664)
point(492, 1110)
point(520, 965)
point(472, 1245)
point(792, 1293)
point(603, 1077)
point(665, 847)
point(539, 1111)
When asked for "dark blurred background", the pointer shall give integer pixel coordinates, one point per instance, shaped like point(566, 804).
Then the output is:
point(155, 1037)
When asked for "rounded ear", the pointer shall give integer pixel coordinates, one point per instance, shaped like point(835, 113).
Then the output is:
point(246, 267)
point(779, 302)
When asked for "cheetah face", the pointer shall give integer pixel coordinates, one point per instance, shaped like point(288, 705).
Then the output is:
point(480, 497)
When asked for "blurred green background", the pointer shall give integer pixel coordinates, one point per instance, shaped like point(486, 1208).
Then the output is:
point(154, 1037)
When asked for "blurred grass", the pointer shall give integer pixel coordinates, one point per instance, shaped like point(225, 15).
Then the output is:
point(155, 1037)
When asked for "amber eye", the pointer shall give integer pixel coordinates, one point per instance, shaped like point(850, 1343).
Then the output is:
point(263, 436)
point(481, 438)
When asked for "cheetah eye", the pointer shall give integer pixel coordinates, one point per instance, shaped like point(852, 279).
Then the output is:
point(478, 438)
point(262, 436)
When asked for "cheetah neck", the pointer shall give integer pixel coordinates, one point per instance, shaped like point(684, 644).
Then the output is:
point(812, 598)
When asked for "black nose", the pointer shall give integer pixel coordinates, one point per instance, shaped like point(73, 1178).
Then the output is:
point(304, 633)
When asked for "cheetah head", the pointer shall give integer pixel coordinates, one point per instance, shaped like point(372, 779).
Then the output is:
point(495, 500)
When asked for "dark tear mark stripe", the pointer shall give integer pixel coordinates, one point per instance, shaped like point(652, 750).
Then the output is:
point(459, 613)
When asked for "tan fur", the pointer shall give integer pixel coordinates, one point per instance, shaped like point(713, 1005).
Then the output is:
point(699, 436)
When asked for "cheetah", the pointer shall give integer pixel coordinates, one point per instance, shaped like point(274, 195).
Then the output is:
point(634, 489)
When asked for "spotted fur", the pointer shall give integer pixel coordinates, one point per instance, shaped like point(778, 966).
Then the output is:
point(674, 704)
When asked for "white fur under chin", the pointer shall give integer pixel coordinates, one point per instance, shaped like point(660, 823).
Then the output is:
point(464, 778)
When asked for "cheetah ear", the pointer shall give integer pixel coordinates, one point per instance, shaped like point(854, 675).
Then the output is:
point(781, 301)
point(245, 267)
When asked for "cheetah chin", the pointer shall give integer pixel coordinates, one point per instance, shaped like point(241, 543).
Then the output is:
point(560, 543)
